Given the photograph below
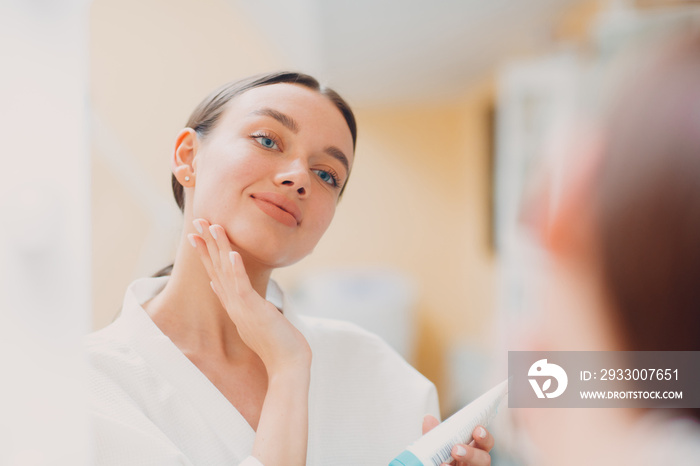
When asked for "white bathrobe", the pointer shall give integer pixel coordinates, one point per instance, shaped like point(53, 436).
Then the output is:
point(151, 406)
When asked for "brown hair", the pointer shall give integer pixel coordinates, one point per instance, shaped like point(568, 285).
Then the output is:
point(205, 116)
point(207, 113)
point(647, 203)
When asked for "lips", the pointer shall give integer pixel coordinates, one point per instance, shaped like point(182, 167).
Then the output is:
point(279, 207)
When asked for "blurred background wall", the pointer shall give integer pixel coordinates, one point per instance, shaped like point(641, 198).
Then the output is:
point(422, 78)
point(45, 278)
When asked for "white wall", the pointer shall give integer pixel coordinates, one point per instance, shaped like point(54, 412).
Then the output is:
point(44, 239)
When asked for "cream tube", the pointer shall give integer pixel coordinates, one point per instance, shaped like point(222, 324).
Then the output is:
point(435, 447)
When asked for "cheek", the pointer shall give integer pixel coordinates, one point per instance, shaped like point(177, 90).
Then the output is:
point(237, 167)
point(221, 182)
point(327, 214)
point(323, 214)
point(212, 192)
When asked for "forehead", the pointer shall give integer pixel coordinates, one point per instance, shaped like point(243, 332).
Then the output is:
point(316, 114)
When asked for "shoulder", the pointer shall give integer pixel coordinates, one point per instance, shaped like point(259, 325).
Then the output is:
point(100, 337)
point(116, 373)
point(105, 346)
point(357, 376)
point(676, 439)
point(358, 352)
point(120, 394)
point(338, 335)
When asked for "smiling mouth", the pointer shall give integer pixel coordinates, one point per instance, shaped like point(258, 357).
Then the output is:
point(269, 203)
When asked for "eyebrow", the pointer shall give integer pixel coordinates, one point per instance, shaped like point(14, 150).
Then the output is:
point(286, 120)
point(338, 154)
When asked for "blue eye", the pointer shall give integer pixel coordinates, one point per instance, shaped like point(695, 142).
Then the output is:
point(327, 177)
point(267, 143)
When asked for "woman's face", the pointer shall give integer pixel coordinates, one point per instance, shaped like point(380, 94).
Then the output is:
point(271, 171)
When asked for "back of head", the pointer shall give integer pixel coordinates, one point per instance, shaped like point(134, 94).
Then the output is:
point(647, 202)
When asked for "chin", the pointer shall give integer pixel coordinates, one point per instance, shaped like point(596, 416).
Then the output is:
point(272, 257)
point(269, 251)
point(269, 259)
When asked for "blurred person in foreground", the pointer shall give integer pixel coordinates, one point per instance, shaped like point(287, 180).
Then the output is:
point(622, 237)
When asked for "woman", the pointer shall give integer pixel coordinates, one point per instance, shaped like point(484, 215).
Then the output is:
point(211, 365)
point(623, 241)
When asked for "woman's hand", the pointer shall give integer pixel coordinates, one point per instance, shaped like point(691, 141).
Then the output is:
point(260, 324)
point(474, 454)
point(282, 432)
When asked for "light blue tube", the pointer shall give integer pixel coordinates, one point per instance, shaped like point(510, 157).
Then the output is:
point(406, 458)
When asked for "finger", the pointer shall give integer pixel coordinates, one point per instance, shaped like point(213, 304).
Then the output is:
point(429, 423)
point(239, 274)
point(219, 235)
point(465, 455)
point(203, 227)
point(201, 246)
point(483, 439)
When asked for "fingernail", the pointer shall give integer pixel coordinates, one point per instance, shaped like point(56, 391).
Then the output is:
point(232, 257)
point(482, 432)
point(460, 451)
point(212, 230)
point(198, 226)
point(192, 241)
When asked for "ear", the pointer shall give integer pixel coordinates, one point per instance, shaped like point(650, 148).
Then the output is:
point(183, 160)
point(569, 221)
point(563, 208)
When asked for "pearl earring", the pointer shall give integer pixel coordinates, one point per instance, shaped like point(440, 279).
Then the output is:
point(187, 178)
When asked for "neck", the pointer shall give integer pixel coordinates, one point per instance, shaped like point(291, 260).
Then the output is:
point(191, 315)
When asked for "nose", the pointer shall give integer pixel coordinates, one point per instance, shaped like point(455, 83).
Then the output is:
point(295, 175)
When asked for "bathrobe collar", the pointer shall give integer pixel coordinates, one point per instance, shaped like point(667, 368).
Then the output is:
point(161, 354)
